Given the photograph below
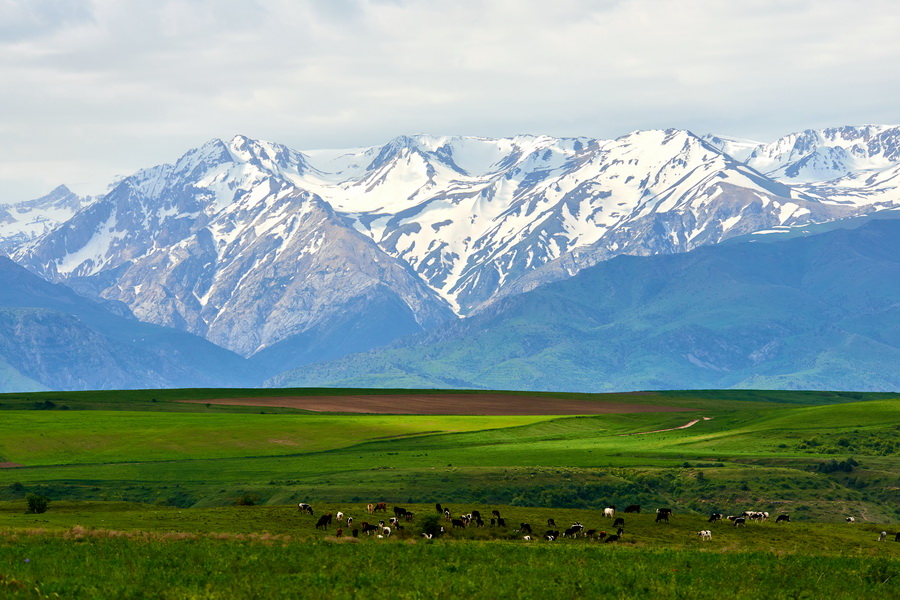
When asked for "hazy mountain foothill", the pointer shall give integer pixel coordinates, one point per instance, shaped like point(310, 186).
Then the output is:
point(529, 262)
point(817, 312)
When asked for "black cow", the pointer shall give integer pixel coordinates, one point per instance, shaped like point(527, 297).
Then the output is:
point(476, 514)
point(667, 511)
point(458, 523)
point(496, 513)
point(501, 522)
point(634, 508)
point(324, 521)
point(525, 528)
point(619, 522)
point(551, 523)
point(399, 512)
point(438, 508)
point(783, 519)
point(740, 521)
point(611, 538)
point(662, 516)
point(574, 530)
point(897, 537)
point(715, 517)
point(551, 535)
point(368, 529)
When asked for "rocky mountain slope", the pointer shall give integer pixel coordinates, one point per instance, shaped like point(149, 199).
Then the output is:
point(24, 221)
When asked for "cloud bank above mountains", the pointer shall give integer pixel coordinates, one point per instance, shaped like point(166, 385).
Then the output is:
point(99, 88)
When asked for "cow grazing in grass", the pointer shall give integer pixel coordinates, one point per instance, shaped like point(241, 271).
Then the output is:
point(458, 523)
point(662, 516)
point(705, 534)
point(438, 508)
point(324, 521)
point(476, 514)
point(525, 528)
point(496, 514)
point(715, 517)
point(339, 532)
point(851, 520)
point(368, 529)
point(634, 508)
point(664, 511)
point(897, 537)
point(551, 535)
point(611, 538)
point(782, 519)
point(370, 508)
point(382, 506)
point(304, 507)
point(740, 521)
point(590, 534)
point(619, 522)
point(574, 530)
point(882, 536)
point(339, 516)
point(399, 511)
point(609, 512)
point(501, 522)
point(551, 523)
point(447, 514)
point(355, 533)
point(479, 522)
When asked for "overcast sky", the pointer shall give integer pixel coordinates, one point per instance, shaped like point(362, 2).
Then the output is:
point(92, 89)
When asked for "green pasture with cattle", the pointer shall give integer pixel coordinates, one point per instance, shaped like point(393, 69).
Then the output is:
point(145, 477)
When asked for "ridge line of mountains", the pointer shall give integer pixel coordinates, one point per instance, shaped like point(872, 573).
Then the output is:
point(270, 259)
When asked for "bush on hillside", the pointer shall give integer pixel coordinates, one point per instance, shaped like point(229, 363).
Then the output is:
point(36, 504)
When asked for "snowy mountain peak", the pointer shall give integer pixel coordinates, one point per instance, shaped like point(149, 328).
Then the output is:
point(459, 220)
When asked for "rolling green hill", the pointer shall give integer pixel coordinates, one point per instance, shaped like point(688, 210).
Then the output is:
point(747, 448)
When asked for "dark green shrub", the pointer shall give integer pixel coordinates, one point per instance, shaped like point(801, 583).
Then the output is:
point(36, 504)
point(431, 525)
point(247, 500)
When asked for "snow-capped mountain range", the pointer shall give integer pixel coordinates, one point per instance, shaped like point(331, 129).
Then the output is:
point(251, 244)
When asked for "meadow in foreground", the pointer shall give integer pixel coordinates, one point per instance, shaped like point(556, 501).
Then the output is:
point(143, 491)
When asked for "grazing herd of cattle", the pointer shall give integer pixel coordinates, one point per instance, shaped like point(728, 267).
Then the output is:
point(384, 529)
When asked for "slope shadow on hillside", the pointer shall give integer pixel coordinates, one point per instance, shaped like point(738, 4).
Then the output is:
point(819, 312)
point(53, 338)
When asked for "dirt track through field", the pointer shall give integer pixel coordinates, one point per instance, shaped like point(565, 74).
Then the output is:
point(444, 404)
point(685, 426)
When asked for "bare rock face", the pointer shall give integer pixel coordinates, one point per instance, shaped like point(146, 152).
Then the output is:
point(230, 249)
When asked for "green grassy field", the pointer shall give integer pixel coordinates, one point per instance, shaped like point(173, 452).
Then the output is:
point(153, 481)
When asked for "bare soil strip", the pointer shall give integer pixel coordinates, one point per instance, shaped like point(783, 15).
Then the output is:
point(9, 465)
point(685, 426)
point(444, 404)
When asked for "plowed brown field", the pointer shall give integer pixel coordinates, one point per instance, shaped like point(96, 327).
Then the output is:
point(445, 404)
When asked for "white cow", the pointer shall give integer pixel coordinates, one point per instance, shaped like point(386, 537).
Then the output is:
point(609, 512)
point(706, 534)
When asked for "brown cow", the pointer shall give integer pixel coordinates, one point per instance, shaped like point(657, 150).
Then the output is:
point(382, 506)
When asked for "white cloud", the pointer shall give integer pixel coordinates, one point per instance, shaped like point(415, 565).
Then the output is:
point(107, 87)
